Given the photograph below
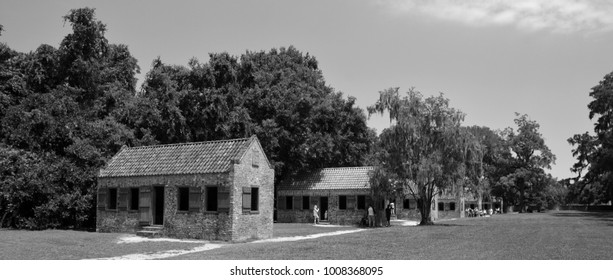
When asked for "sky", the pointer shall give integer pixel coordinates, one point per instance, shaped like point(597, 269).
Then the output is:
point(491, 58)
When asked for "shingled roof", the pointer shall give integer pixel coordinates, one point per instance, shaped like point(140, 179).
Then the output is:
point(330, 178)
point(184, 158)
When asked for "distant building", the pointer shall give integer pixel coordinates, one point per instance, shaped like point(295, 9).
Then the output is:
point(217, 190)
point(343, 194)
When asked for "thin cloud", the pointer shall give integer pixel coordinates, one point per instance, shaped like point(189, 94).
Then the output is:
point(560, 16)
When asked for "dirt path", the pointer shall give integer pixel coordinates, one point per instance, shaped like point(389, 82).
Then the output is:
point(207, 246)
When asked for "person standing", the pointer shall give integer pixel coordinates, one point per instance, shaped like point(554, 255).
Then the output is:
point(371, 216)
point(388, 214)
point(315, 214)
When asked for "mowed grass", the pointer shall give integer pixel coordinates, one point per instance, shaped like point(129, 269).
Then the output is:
point(74, 245)
point(553, 235)
point(548, 236)
point(71, 245)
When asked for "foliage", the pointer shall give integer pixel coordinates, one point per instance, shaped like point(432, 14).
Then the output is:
point(424, 146)
point(58, 124)
point(594, 167)
point(65, 111)
point(279, 95)
point(526, 178)
point(493, 155)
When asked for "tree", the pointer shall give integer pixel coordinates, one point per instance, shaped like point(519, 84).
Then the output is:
point(59, 123)
point(529, 157)
point(423, 149)
point(279, 95)
point(383, 185)
point(594, 167)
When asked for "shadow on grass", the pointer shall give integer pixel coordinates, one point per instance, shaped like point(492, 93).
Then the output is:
point(444, 225)
point(602, 216)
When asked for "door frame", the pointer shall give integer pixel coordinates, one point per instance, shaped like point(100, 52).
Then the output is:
point(158, 193)
point(322, 209)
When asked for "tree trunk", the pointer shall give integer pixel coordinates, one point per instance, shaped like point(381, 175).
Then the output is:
point(521, 199)
point(425, 209)
point(522, 189)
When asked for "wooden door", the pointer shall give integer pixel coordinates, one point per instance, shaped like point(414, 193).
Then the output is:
point(144, 206)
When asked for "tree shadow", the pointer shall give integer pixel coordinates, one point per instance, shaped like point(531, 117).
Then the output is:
point(591, 215)
point(445, 225)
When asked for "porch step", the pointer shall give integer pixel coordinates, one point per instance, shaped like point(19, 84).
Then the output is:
point(324, 222)
point(150, 231)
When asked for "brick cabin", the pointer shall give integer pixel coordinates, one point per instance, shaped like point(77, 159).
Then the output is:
point(343, 192)
point(216, 190)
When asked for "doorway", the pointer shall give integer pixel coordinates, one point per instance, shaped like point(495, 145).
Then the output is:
point(323, 208)
point(158, 205)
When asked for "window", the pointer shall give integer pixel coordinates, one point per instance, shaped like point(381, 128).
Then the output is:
point(305, 202)
point(361, 202)
point(183, 200)
point(406, 204)
point(211, 198)
point(250, 199)
point(441, 206)
point(289, 203)
point(134, 196)
point(451, 206)
point(342, 202)
point(112, 202)
point(255, 198)
point(255, 158)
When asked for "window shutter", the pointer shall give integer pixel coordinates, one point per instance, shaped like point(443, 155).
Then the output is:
point(122, 200)
point(351, 202)
point(223, 200)
point(298, 202)
point(195, 199)
point(281, 203)
point(246, 199)
point(101, 198)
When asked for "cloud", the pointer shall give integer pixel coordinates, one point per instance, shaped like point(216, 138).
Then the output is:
point(560, 16)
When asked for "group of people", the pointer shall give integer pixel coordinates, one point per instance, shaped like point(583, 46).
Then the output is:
point(371, 215)
point(480, 213)
point(388, 215)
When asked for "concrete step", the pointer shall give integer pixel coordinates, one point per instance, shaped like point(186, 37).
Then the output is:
point(153, 228)
point(151, 231)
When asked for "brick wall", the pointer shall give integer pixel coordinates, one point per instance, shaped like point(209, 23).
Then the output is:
point(351, 216)
point(252, 171)
point(117, 221)
point(446, 211)
point(198, 225)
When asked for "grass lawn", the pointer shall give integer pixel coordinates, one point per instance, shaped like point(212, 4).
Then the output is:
point(73, 245)
point(553, 235)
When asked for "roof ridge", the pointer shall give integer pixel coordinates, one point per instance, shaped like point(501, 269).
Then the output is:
point(348, 167)
point(189, 143)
